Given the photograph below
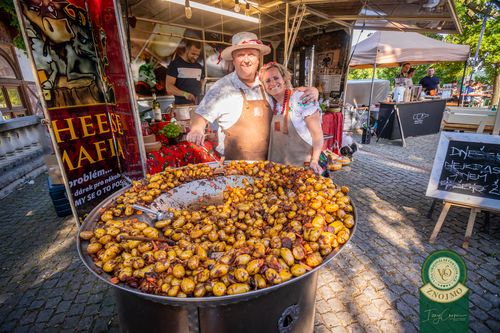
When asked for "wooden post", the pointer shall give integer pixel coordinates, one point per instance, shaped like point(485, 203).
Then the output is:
point(440, 221)
point(470, 226)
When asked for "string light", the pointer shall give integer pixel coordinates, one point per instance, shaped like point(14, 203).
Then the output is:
point(187, 10)
point(188, 5)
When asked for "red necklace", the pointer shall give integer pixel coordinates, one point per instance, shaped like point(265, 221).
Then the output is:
point(285, 103)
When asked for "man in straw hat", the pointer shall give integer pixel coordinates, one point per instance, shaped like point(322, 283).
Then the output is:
point(238, 104)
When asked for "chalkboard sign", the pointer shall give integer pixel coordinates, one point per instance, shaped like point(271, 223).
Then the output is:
point(467, 170)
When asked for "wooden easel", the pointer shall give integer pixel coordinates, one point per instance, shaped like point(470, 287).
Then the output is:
point(470, 224)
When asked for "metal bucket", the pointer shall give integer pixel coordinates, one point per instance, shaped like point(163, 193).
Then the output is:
point(183, 112)
point(284, 308)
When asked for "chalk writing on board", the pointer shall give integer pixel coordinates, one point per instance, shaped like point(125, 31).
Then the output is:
point(418, 118)
point(471, 168)
point(475, 154)
point(496, 188)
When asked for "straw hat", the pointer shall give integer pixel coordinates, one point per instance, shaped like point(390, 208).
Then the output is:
point(244, 40)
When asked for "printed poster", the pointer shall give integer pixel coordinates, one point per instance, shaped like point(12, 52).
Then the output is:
point(81, 70)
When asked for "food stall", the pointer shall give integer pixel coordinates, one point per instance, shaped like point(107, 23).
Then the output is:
point(204, 247)
point(391, 49)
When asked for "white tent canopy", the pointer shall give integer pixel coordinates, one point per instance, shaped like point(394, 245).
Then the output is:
point(391, 48)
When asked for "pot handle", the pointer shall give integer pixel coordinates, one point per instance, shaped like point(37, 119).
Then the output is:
point(288, 318)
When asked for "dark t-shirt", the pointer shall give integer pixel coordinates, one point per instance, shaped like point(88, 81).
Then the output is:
point(188, 78)
point(429, 83)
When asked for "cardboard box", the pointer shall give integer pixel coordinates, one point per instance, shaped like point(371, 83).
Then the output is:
point(53, 169)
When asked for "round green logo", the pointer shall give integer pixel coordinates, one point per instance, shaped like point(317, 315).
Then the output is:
point(444, 273)
point(444, 269)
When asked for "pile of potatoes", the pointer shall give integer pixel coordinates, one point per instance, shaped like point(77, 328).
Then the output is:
point(263, 234)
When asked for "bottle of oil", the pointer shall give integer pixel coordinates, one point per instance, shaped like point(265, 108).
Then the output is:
point(156, 109)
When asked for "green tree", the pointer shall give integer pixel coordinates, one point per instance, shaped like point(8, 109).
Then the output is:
point(7, 6)
point(471, 15)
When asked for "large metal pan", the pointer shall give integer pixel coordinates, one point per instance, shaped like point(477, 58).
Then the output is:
point(286, 307)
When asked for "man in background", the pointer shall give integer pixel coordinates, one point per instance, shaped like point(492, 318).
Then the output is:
point(185, 74)
point(430, 83)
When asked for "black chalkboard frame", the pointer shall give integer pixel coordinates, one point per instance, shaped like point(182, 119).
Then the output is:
point(459, 198)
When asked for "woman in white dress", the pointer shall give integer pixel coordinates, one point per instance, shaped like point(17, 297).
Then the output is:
point(296, 134)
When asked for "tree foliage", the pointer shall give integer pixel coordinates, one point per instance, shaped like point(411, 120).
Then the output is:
point(7, 6)
point(471, 15)
point(489, 55)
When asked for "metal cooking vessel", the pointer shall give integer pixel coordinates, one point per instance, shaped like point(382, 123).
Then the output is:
point(286, 307)
point(183, 112)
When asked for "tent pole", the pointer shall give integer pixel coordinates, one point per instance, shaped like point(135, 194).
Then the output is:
point(285, 55)
point(460, 97)
point(368, 131)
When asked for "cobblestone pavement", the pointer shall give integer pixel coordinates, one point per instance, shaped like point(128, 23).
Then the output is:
point(372, 286)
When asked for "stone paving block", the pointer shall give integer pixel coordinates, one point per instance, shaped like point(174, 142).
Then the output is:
point(371, 292)
point(355, 328)
point(16, 314)
point(371, 328)
point(29, 317)
point(411, 300)
point(377, 284)
point(53, 302)
point(63, 306)
point(71, 322)
point(493, 324)
point(21, 329)
point(338, 329)
point(100, 326)
point(107, 310)
point(91, 310)
point(344, 318)
point(326, 292)
point(362, 300)
point(37, 304)
point(321, 329)
point(56, 320)
point(76, 309)
point(492, 288)
point(8, 326)
point(481, 302)
point(408, 327)
point(82, 298)
point(392, 315)
point(479, 327)
point(85, 322)
point(322, 307)
point(44, 315)
point(330, 319)
point(372, 312)
point(386, 326)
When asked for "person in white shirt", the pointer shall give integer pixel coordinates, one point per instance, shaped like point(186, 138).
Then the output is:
point(238, 104)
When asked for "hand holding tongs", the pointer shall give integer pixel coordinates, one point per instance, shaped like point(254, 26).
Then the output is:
point(220, 168)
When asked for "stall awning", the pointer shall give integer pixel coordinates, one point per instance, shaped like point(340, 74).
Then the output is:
point(319, 16)
point(391, 48)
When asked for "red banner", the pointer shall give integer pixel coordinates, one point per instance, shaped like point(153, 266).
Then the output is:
point(81, 67)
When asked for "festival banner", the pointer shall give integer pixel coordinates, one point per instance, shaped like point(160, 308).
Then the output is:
point(80, 64)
